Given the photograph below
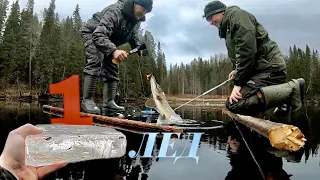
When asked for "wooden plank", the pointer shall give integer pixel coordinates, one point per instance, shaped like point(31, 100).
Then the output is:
point(128, 129)
point(118, 121)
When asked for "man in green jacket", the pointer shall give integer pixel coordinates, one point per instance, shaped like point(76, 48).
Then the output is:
point(259, 68)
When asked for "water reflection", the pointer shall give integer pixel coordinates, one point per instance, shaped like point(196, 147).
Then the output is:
point(258, 165)
point(223, 153)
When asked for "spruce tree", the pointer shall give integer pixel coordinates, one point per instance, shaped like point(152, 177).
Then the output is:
point(10, 46)
point(4, 5)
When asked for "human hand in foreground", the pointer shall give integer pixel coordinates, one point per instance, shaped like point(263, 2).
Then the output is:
point(13, 155)
point(120, 55)
point(235, 95)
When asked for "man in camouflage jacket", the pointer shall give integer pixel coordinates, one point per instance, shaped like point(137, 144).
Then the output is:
point(113, 26)
point(259, 68)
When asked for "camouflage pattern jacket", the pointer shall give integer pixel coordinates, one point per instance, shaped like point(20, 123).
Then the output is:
point(113, 26)
point(249, 46)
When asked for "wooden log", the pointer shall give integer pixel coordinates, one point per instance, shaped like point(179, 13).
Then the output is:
point(281, 136)
point(118, 121)
point(129, 129)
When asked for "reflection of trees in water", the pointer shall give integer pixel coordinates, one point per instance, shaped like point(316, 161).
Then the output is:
point(242, 162)
point(16, 114)
point(132, 168)
point(314, 124)
point(214, 138)
point(268, 158)
point(117, 168)
point(200, 113)
point(22, 112)
point(308, 123)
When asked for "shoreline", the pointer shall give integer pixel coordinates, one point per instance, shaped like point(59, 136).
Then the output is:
point(172, 100)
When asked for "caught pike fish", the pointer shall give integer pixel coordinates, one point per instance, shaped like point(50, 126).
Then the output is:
point(159, 102)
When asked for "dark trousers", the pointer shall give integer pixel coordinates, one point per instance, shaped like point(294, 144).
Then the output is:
point(97, 64)
point(250, 103)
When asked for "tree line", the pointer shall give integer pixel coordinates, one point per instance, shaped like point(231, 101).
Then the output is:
point(39, 50)
point(201, 75)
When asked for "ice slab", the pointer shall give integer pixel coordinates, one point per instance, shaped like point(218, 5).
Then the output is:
point(73, 143)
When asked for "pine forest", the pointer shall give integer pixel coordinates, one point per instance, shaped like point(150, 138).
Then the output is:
point(39, 50)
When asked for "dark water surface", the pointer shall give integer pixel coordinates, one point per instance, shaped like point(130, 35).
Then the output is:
point(218, 159)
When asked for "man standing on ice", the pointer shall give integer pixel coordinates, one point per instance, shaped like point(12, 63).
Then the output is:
point(113, 26)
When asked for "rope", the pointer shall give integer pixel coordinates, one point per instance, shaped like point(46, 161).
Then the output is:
point(203, 94)
point(252, 155)
point(141, 76)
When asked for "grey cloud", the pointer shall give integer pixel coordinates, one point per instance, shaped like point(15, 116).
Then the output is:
point(288, 23)
point(185, 19)
point(65, 8)
point(288, 30)
point(184, 35)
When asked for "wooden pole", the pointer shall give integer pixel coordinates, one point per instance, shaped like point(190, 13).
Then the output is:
point(129, 129)
point(281, 136)
point(118, 121)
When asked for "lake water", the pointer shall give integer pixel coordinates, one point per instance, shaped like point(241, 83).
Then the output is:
point(218, 159)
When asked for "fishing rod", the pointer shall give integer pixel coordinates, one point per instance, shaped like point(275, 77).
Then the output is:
point(141, 77)
point(204, 93)
point(251, 153)
point(242, 136)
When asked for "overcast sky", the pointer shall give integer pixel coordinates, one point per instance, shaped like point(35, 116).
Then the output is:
point(184, 35)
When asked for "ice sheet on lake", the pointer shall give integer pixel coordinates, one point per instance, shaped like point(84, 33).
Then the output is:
point(73, 143)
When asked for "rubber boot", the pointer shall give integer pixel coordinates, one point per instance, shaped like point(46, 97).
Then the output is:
point(89, 88)
point(291, 93)
point(109, 105)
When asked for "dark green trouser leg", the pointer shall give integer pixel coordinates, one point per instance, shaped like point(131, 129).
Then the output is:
point(89, 89)
point(273, 96)
point(291, 92)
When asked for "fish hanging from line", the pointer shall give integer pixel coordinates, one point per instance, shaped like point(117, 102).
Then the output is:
point(160, 103)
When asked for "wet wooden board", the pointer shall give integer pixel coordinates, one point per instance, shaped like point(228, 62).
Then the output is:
point(126, 124)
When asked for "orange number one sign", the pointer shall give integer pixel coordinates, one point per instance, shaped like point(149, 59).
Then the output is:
point(70, 90)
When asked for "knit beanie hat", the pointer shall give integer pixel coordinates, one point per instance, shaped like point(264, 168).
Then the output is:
point(213, 7)
point(147, 4)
